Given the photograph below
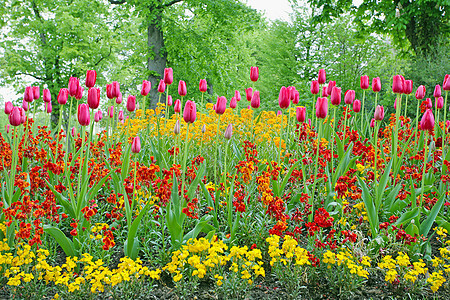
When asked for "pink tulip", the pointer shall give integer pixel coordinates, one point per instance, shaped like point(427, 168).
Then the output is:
point(440, 103)
point(62, 96)
point(309, 123)
point(111, 111)
point(256, 101)
point(249, 94)
point(300, 114)
point(48, 107)
point(322, 76)
point(322, 108)
point(93, 98)
point(169, 101)
point(109, 91)
point(136, 145)
point(83, 115)
point(364, 82)
point(7, 128)
point(25, 105)
point(221, 105)
point(8, 107)
point(446, 84)
point(233, 103)
point(73, 86)
point(119, 99)
point(36, 92)
point(284, 98)
point(407, 89)
point(437, 91)
point(336, 96)
point(146, 87)
point(315, 87)
point(279, 113)
point(98, 116)
point(292, 91)
point(376, 84)
point(395, 104)
point(324, 91)
point(379, 113)
point(121, 117)
point(15, 117)
point(296, 97)
point(177, 106)
point(228, 132)
point(79, 94)
point(168, 76)
point(182, 91)
point(91, 77)
point(254, 74)
point(397, 84)
point(427, 122)
point(330, 87)
point(349, 96)
point(372, 123)
point(161, 86)
point(420, 93)
point(237, 95)
point(115, 89)
point(203, 86)
point(28, 95)
point(357, 106)
point(46, 96)
point(190, 111)
point(429, 103)
point(131, 103)
point(73, 131)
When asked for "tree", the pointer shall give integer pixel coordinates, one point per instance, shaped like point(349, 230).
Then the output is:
point(421, 22)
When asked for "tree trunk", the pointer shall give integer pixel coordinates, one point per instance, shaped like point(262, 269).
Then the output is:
point(158, 58)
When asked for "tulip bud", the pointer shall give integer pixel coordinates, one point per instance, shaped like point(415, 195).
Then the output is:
point(73, 86)
point(427, 122)
point(429, 103)
point(254, 74)
point(437, 91)
point(357, 106)
point(7, 128)
point(115, 89)
point(204, 128)
point(335, 96)
point(315, 87)
point(98, 116)
point(190, 111)
point(395, 104)
point(300, 114)
point(407, 89)
point(228, 132)
point(177, 106)
point(447, 124)
point(73, 131)
point(420, 93)
point(249, 94)
point(379, 113)
point(48, 107)
point(309, 123)
point(36, 92)
point(440, 103)
point(291, 90)
point(91, 77)
point(28, 95)
point(136, 145)
point(46, 96)
point(330, 87)
point(322, 76)
point(146, 87)
point(119, 99)
point(15, 117)
point(322, 108)
point(446, 84)
point(176, 128)
point(233, 103)
point(397, 84)
point(79, 94)
point(296, 97)
point(376, 84)
point(161, 86)
point(349, 96)
point(364, 82)
point(109, 91)
point(111, 111)
point(8, 107)
point(168, 76)
point(256, 101)
point(237, 95)
point(372, 123)
point(121, 117)
point(24, 105)
point(169, 101)
point(203, 86)
point(324, 91)
point(279, 113)
point(182, 91)
point(284, 98)
point(83, 115)
point(221, 105)
point(93, 98)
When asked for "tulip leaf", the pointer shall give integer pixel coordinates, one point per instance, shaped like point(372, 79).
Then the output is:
point(194, 185)
point(408, 216)
point(61, 239)
point(126, 162)
point(428, 223)
point(201, 225)
point(62, 200)
point(340, 146)
point(382, 185)
point(370, 208)
point(131, 248)
point(390, 199)
point(287, 176)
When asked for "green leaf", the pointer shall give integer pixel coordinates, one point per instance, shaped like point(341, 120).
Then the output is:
point(408, 216)
point(382, 185)
point(428, 223)
point(370, 208)
point(61, 239)
point(131, 249)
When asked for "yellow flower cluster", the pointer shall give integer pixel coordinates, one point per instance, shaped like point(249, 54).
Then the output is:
point(96, 230)
point(395, 268)
point(289, 252)
point(345, 258)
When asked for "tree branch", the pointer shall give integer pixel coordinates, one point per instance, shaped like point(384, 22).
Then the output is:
point(34, 76)
point(103, 57)
point(117, 1)
point(172, 3)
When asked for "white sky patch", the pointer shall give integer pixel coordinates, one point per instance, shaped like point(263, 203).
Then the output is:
point(272, 9)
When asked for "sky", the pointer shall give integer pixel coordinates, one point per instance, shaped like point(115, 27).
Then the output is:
point(273, 9)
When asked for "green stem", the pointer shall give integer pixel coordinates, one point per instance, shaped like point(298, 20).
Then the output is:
point(406, 106)
point(395, 136)
point(417, 126)
point(375, 180)
point(444, 138)
point(186, 144)
point(310, 217)
point(423, 173)
point(216, 155)
point(166, 106)
point(68, 130)
point(143, 108)
point(332, 141)
point(134, 188)
point(345, 124)
point(312, 108)
point(362, 106)
point(83, 133)
point(281, 138)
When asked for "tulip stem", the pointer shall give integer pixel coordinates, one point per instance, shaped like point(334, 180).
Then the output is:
point(83, 133)
point(444, 138)
point(310, 217)
point(345, 123)
point(217, 146)
point(14, 162)
point(417, 125)
point(425, 158)
point(167, 106)
point(395, 136)
point(375, 159)
point(143, 108)
point(362, 107)
point(134, 187)
point(68, 130)
point(406, 106)
point(184, 161)
point(332, 140)
point(281, 138)
point(312, 108)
